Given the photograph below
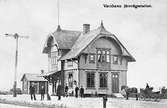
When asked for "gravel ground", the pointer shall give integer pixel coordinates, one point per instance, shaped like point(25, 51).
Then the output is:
point(72, 102)
point(11, 106)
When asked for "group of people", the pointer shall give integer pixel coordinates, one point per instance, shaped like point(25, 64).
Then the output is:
point(32, 92)
point(78, 91)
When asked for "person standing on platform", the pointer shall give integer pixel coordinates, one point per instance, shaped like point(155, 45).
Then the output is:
point(59, 88)
point(66, 90)
point(42, 92)
point(49, 91)
point(76, 91)
point(82, 92)
point(32, 92)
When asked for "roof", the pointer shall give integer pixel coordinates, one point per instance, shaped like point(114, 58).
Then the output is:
point(64, 39)
point(48, 73)
point(85, 39)
point(77, 41)
point(33, 77)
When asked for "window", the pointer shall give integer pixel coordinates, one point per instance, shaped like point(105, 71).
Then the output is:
point(120, 60)
point(99, 55)
point(103, 80)
point(90, 79)
point(107, 56)
point(53, 54)
point(70, 80)
point(53, 60)
point(103, 55)
point(91, 58)
point(69, 63)
point(115, 59)
point(103, 59)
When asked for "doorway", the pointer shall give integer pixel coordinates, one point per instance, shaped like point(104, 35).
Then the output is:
point(115, 82)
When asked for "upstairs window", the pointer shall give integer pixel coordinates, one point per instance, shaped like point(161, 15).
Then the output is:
point(103, 55)
point(91, 58)
point(69, 63)
point(120, 60)
point(99, 55)
point(107, 56)
point(53, 60)
point(115, 59)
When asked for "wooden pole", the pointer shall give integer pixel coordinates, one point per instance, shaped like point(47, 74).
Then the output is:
point(16, 36)
point(16, 62)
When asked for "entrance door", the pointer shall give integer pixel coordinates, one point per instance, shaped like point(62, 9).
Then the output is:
point(115, 83)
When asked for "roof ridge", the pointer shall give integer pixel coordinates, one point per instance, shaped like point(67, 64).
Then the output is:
point(66, 30)
point(32, 73)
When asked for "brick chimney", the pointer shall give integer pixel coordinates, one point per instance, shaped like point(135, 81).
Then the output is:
point(86, 28)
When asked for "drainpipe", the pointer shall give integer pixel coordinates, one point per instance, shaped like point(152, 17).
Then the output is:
point(79, 72)
point(62, 75)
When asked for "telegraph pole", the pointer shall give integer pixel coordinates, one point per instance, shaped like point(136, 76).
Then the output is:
point(16, 36)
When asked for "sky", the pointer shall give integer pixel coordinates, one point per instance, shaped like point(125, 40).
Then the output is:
point(142, 31)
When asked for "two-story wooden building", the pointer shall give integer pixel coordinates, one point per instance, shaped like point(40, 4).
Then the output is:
point(95, 59)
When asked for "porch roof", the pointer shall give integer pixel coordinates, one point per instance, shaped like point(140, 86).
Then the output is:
point(33, 77)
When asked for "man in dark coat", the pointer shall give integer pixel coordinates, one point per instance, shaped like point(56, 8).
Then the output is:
point(42, 92)
point(66, 90)
point(32, 92)
point(76, 91)
point(59, 91)
point(82, 91)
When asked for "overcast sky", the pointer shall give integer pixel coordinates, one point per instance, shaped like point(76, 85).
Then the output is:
point(142, 31)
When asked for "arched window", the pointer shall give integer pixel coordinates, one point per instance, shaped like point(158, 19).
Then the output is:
point(103, 80)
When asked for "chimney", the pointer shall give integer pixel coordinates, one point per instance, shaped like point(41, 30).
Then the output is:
point(86, 28)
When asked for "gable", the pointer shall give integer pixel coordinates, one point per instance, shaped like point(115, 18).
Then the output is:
point(76, 42)
point(63, 39)
point(105, 43)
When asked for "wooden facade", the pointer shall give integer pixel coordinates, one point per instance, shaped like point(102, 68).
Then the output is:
point(93, 59)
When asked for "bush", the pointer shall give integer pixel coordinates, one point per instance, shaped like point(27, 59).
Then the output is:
point(18, 91)
point(4, 92)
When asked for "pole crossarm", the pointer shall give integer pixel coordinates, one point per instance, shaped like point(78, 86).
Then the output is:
point(16, 36)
